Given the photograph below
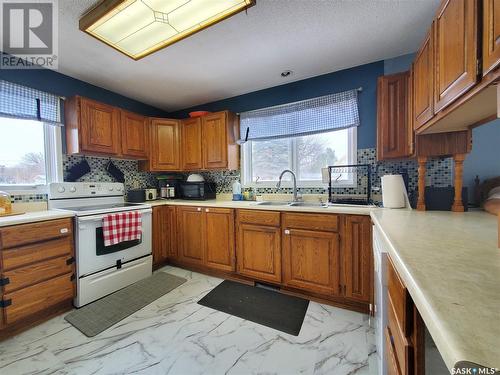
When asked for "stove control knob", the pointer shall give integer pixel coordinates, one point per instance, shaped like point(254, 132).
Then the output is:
point(61, 189)
point(72, 189)
point(110, 188)
point(119, 188)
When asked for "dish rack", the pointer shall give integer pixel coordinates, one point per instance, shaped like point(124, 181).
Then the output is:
point(349, 184)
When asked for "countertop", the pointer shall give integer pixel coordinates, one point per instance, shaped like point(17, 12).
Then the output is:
point(450, 264)
point(34, 216)
point(251, 205)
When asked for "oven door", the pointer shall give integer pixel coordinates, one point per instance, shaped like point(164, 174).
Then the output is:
point(91, 254)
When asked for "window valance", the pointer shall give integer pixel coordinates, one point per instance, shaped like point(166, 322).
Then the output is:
point(19, 101)
point(311, 116)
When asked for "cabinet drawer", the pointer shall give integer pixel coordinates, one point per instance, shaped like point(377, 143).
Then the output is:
point(270, 218)
point(400, 298)
point(36, 273)
point(36, 298)
point(392, 362)
point(24, 255)
point(329, 223)
point(24, 234)
point(402, 347)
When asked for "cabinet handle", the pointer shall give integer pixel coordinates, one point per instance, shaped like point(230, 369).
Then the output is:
point(287, 231)
point(64, 230)
point(207, 210)
point(198, 209)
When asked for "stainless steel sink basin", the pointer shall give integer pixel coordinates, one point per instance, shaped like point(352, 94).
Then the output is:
point(291, 204)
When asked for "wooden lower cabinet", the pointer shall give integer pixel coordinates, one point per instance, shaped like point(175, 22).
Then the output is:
point(358, 258)
point(311, 260)
point(405, 330)
point(191, 235)
point(205, 237)
point(36, 270)
point(164, 234)
point(219, 239)
point(258, 252)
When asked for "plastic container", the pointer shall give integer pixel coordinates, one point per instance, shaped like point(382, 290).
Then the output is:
point(237, 191)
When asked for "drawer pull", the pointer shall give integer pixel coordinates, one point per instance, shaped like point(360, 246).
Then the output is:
point(72, 277)
point(4, 281)
point(287, 231)
point(5, 302)
point(198, 209)
point(64, 230)
point(207, 210)
point(70, 261)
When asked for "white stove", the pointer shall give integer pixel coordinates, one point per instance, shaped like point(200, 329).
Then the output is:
point(100, 269)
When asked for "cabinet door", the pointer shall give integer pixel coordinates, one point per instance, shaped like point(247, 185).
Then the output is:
point(214, 130)
point(190, 233)
point(394, 131)
point(160, 235)
point(357, 254)
point(219, 240)
point(311, 260)
point(99, 127)
point(34, 299)
point(191, 144)
point(165, 152)
point(259, 252)
point(456, 50)
point(423, 82)
point(135, 135)
point(491, 35)
point(172, 232)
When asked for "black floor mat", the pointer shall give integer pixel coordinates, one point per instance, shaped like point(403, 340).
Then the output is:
point(269, 308)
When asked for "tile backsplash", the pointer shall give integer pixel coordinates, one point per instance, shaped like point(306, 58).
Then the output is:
point(439, 173)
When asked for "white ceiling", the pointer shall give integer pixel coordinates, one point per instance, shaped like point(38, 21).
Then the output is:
point(248, 51)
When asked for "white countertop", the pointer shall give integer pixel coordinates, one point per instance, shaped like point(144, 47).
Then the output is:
point(251, 205)
point(450, 264)
point(34, 216)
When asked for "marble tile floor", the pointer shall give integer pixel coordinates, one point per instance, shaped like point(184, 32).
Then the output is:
point(175, 335)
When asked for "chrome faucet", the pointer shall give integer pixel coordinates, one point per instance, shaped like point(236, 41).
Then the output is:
point(278, 185)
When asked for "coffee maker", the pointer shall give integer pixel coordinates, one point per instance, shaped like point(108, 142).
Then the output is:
point(168, 186)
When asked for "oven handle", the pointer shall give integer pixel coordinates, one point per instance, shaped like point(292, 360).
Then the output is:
point(85, 219)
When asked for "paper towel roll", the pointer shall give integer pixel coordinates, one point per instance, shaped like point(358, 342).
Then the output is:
point(393, 191)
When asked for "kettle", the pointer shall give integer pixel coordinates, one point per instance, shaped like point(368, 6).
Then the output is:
point(5, 205)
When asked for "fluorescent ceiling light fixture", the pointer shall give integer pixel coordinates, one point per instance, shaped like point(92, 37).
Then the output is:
point(138, 28)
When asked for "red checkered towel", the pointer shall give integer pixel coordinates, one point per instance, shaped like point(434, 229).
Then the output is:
point(122, 226)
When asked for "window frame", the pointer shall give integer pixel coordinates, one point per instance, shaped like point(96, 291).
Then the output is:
point(246, 165)
point(53, 163)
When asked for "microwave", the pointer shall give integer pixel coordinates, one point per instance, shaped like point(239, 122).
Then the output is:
point(198, 190)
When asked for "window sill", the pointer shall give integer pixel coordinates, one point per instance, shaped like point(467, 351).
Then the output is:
point(25, 190)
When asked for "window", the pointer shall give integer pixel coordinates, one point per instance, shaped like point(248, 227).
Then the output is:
point(30, 154)
point(263, 161)
point(30, 138)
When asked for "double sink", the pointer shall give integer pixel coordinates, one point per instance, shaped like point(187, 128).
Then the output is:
point(292, 204)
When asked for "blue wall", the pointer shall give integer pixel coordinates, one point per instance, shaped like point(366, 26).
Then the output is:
point(361, 76)
point(398, 64)
point(60, 84)
point(484, 160)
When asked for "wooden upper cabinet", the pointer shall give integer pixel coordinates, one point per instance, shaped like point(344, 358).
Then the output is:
point(190, 235)
point(192, 144)
point(165, 145)
point(357, 253)
point(491, 35)
point(219, 239)
point(219, 132)
point(423, 82)
point(394, 127)
point(135, 135)
point(455, 38)
point(92, 127)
